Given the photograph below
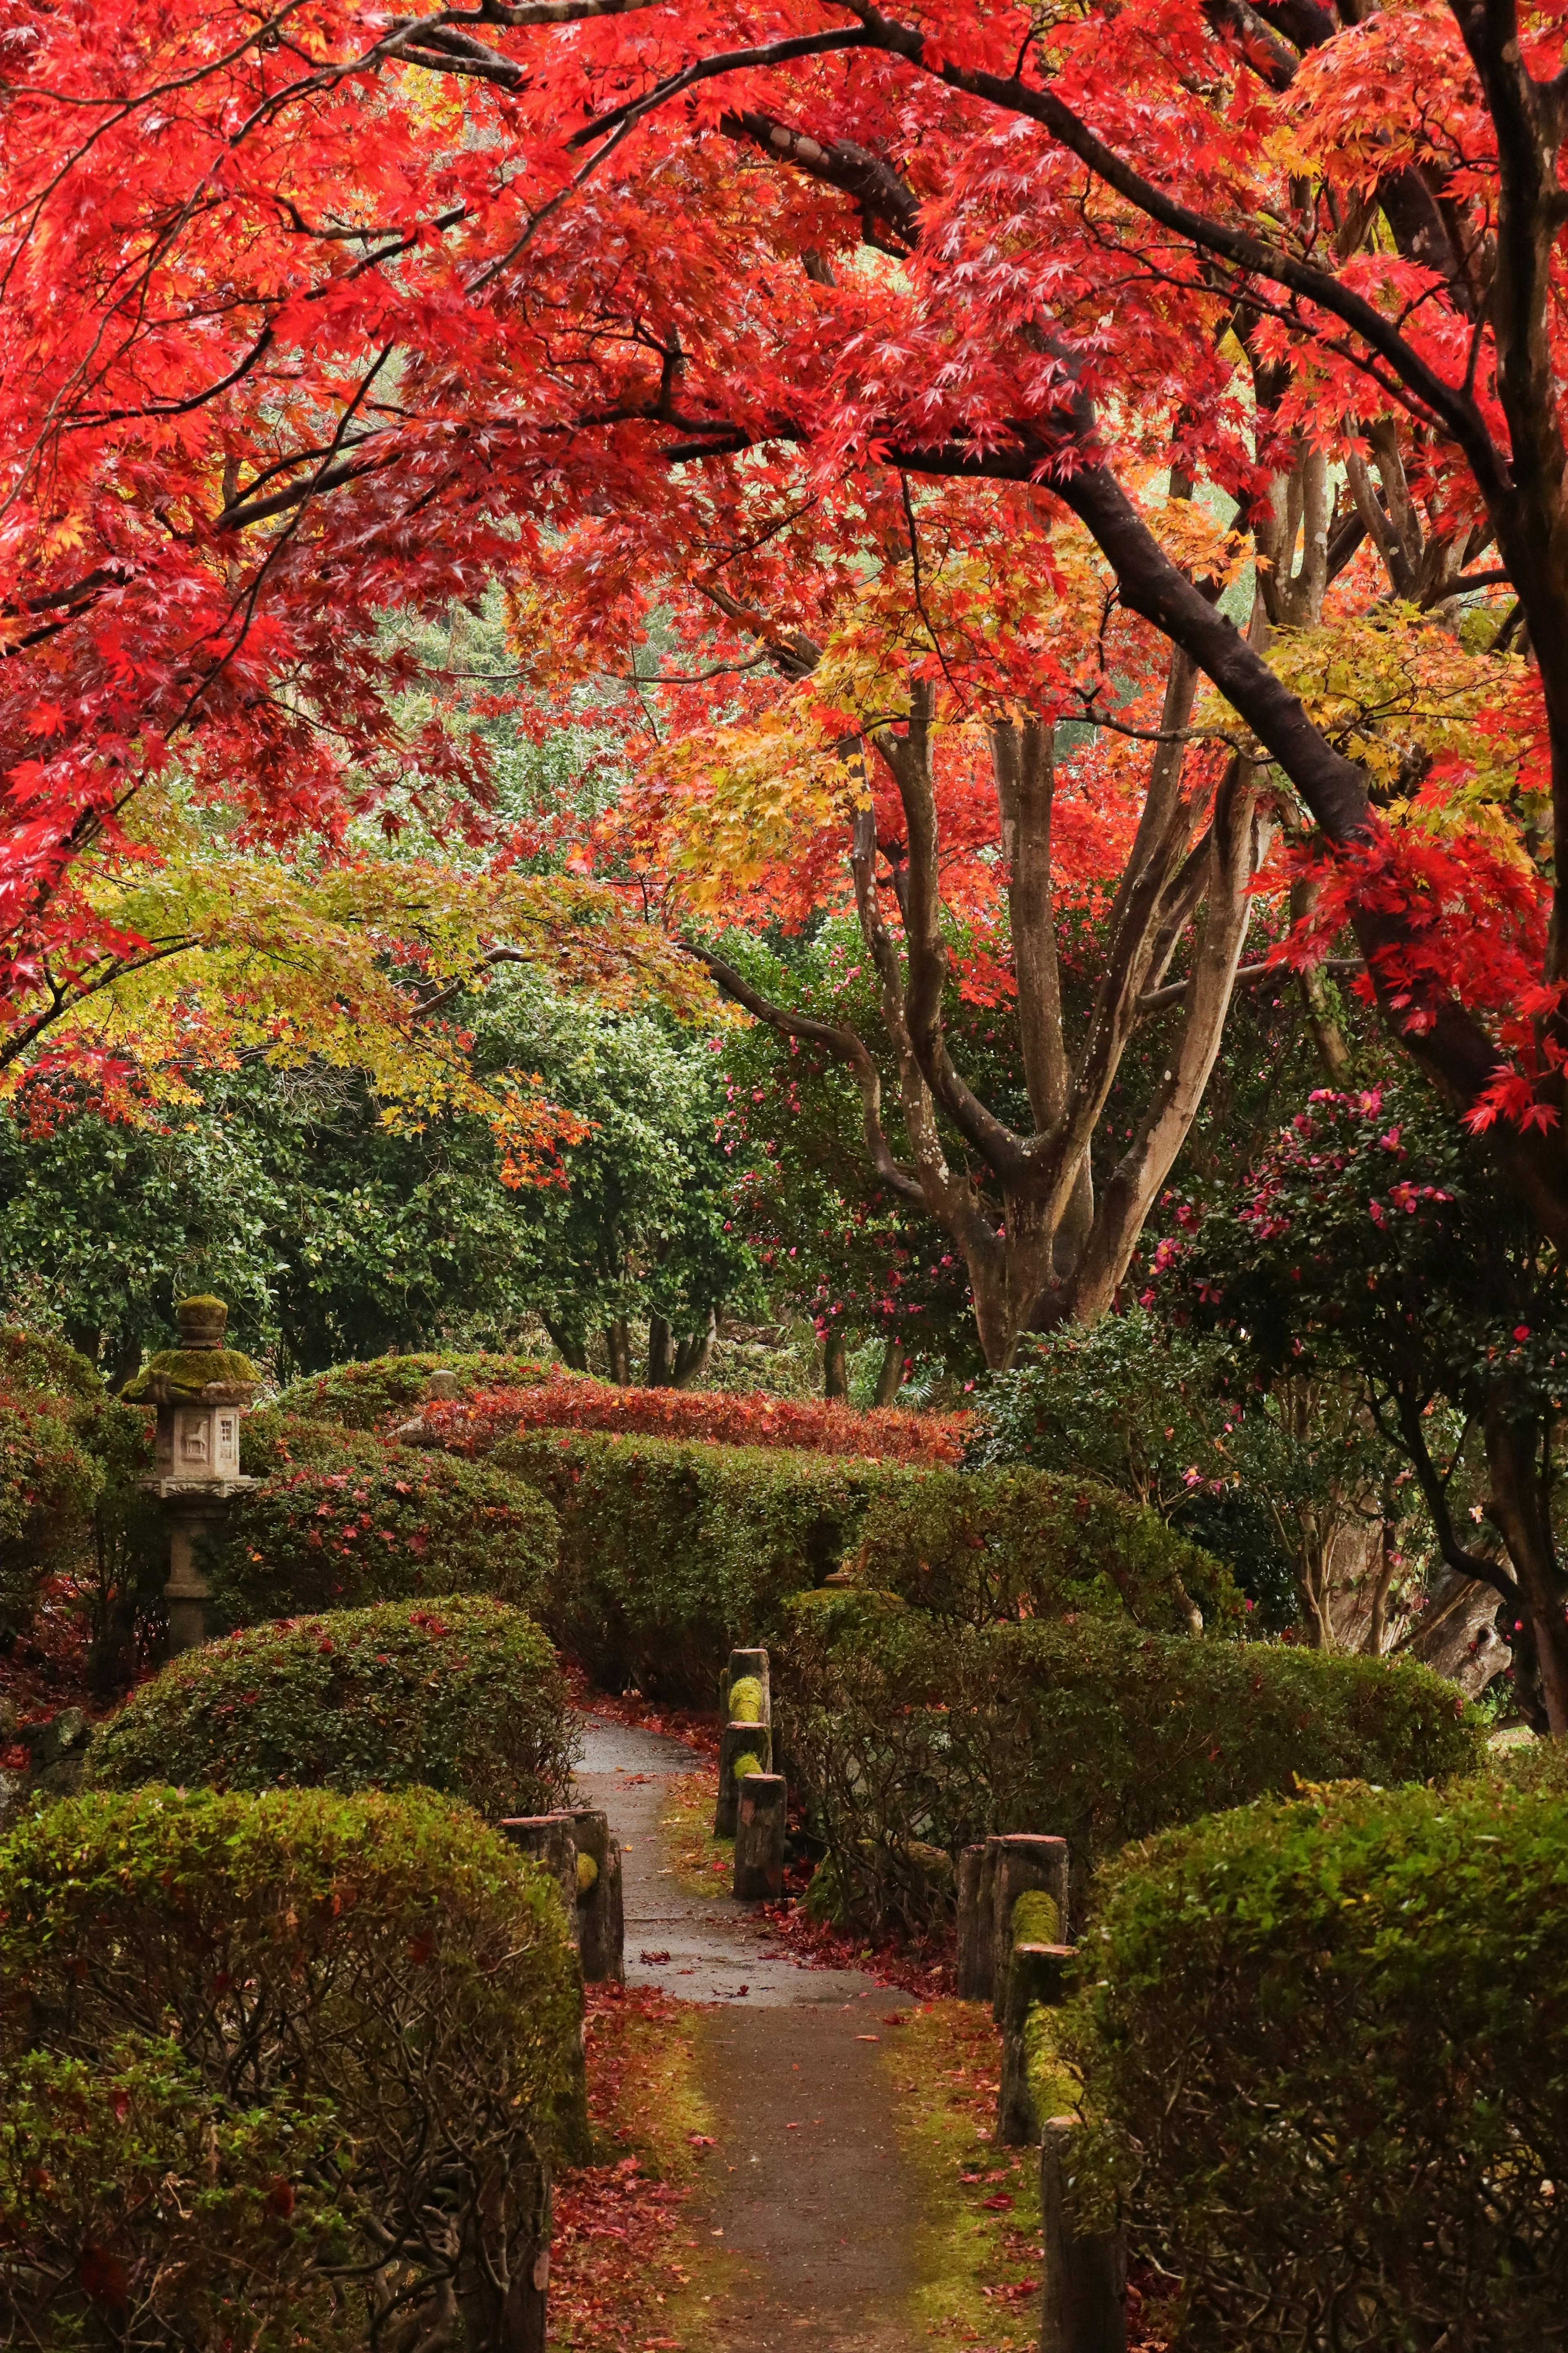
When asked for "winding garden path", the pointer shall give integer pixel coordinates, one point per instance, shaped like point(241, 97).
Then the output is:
point(806, 2188)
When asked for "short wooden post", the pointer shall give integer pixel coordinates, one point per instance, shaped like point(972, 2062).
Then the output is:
point(738, 1740)
point(983, 1974)
point(1024, 1862)
point(1085, 2307)
point(550, 1840)
point(600, 1913)
point(760, 1837)
point(747, 1667)
point(970, 1866)
point(1036, 1977)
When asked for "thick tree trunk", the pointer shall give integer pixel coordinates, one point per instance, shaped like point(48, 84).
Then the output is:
point(618, 1347)
point(835, 1370)
point(891, 1376)
point(695, 1353)
point(1520, 1508)
point(660, 1353)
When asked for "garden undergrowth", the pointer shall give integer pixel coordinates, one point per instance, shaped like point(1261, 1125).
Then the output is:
point(622, 2254)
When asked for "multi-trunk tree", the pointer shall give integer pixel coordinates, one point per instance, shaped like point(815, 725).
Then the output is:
point(318, 313)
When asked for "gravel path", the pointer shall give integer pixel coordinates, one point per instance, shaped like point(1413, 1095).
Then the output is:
point(806, 2189)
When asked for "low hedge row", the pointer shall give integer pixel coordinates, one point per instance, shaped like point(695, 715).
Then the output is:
point(392, 1522)
point(1325, 2046)
point(387, 1957)
point(905, 1733)
point(48, 1485)
point(671, 1554)
point(384, 1390)
point(465, 1697)
point(721, 1417)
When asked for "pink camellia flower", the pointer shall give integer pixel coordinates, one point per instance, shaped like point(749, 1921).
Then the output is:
point(1522, 1331)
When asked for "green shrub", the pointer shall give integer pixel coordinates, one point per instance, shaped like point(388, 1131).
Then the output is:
point(388, 1954)
point(671, 1554)
point(1327, 2047)
point(49, 1485)
point(468, 1699)
point(901, 1729)
point(400, 1525)
point(973, 1546)
point(385, 1390)
point(139, 2208)
point(38, 1363)
point(122, 1561)
point(271, 1440)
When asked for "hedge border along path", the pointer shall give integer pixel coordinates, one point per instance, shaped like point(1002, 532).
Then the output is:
point(464, 1696)
point(720, 1416)
point(391, 1952)
point(1336, 2031)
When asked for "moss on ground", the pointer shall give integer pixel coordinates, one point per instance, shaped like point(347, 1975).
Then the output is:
point(977, 2249)
point(703, 1864)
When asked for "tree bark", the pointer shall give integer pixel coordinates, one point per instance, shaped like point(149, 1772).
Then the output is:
point(835, 1370)
point(1520, 1507)
point(890, 1375)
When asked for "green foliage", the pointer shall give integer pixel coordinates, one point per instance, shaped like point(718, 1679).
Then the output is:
point(134, 2198)
point(386, 1390)
point(468, 1699)
point(1326, 2043)
point(388, 1954)
point(974, 1546)
point(902, 1728)
point(671, 1554)
point(271, 1440)
point(121, 1563)
point(410, 1524)
point(47, 1487)
point(1168, 1418)
point(37, 1362)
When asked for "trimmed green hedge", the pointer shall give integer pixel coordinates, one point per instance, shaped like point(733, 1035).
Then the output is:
point(671, 1552)
point(388, 1954)
point(271, 1440)
point(398, 1524)
point(976, 1546)
point(465, 1698)
point(128, 2187)
point(1326, 2047)
point(901, 1730)
point(384, 1390)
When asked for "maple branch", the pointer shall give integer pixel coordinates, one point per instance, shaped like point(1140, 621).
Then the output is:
point(878, 190)
point(850, 1048)
point(1440, 401)
point(1248, 975)
point(1023, 761)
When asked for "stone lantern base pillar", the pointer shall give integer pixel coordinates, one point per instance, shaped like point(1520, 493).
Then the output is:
point(193, 1511)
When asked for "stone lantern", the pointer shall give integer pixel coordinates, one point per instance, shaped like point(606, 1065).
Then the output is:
point(200, 1390)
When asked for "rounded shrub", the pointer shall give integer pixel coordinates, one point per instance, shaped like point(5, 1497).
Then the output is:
point(384, 1390)
point(138, 2207)
point(467, 1698)
point(1326, 2052)
point(977, 1546)
point(387, 1955)
point(400, 1524)
point(37, 1363)
point(49, 1485)
point(901, 1729)
point(271, 1440)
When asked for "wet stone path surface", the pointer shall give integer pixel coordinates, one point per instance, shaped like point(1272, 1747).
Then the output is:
point(806, 2189)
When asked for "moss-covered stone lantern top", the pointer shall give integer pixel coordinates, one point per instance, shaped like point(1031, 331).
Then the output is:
point(201, 1367)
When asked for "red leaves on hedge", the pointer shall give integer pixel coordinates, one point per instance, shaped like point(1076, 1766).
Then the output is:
point(753, 1419)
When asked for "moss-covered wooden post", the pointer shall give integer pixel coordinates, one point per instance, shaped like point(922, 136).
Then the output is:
point(1036, 1974)
point(1023, 1864)
point(743, 1748)
point(1085, 2307)
point(550, 1840)
point(200, 1390)
point(760, 1837)
point(601, 1915)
